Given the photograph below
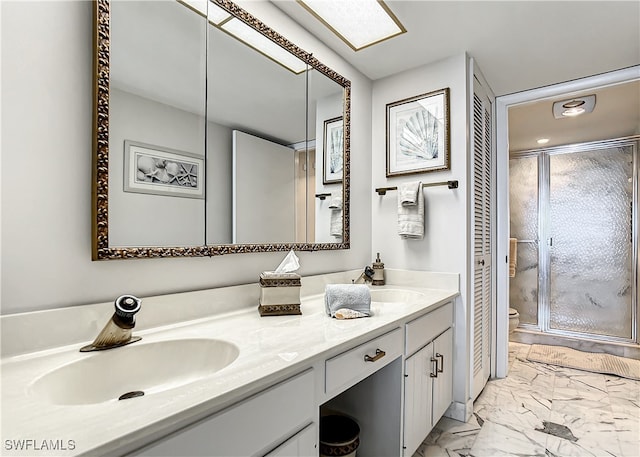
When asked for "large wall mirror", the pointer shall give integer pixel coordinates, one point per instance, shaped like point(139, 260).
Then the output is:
point(213, 135)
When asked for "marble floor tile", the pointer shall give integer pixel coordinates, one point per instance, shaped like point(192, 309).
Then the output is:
point(450, 438)
point(559, 447)
point(544, 410)
point(495, 440)
point(629, 443)
point(627, 389)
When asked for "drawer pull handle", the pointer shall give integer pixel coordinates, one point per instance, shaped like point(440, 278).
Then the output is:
point(441, 357)
point(434, 373)
point(379, 354)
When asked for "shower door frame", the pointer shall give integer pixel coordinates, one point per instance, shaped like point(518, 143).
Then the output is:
point(544, 237)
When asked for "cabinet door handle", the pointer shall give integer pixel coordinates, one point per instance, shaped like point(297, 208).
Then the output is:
point(434, 373)
point(441, 357)
point(379, 354)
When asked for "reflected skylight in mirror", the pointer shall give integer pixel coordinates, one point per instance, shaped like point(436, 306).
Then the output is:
point(216, 15)
point(264, 45)
point(197, 5)
point(359, 23)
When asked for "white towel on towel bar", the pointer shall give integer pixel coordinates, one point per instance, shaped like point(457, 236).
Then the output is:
point(408, 193)
point(336, 200)
point(335, 223)
point(411, 215)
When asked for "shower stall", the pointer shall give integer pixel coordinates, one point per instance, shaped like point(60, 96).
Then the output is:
point(573, 211)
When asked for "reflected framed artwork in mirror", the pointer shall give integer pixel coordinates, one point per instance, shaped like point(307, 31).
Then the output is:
point(174, 119)
point(332, 151)
point(150, 169)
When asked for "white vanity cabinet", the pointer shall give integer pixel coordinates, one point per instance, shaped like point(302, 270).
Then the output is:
point(276, 422)
point(428, 367)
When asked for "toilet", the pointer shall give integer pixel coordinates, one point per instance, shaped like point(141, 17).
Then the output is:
point(514, 319)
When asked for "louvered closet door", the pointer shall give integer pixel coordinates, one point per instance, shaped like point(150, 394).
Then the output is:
point(482, 244)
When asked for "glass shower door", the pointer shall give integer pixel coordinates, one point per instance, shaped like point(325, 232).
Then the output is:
point(589, 242)
point(523, 198)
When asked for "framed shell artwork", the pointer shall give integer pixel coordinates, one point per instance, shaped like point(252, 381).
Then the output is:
point(418, 138)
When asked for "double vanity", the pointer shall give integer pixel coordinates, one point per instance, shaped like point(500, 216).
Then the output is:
point(212, 377)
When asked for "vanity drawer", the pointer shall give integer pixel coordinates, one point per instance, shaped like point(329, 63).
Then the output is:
point(350, 367)
point(425, 328)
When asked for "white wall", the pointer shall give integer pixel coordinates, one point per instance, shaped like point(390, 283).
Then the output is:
point(46, 171)
point(445, 246)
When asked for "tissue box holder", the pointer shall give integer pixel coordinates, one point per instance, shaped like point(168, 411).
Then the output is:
point(279, 294)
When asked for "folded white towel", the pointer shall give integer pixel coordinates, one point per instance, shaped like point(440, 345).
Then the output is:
point(335, 223)
point(410, 216)
point(341, 297)
point(336, 200)
point(408, 193)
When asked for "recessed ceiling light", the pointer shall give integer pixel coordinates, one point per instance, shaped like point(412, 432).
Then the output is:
point(542, 140)
point(359, 23)
point(571, 112)
point(574, 106)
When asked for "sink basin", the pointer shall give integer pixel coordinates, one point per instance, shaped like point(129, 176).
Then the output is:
point(396, 296)
point(139, 368)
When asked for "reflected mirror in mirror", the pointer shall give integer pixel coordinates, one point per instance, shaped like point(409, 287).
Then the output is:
point(326, 115)
point(255, 123)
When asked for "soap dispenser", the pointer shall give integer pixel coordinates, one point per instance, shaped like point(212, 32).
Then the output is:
point(378, 272)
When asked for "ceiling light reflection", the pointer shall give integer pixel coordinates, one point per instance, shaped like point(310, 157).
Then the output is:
point(264, 45)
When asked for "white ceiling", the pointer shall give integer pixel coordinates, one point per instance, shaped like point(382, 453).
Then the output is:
point(518, 45)
point(616, 115)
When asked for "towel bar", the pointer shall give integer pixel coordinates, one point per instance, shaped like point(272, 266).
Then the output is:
point(449, 184)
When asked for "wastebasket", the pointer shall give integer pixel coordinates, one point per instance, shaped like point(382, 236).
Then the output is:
point(339, 436)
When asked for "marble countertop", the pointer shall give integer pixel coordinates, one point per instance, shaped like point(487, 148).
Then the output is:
point(271, 349)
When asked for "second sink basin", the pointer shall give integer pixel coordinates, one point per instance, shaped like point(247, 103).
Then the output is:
point(396, 296)
point(131, 370)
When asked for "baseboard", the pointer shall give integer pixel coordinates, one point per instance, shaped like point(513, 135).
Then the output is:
point(460, 411)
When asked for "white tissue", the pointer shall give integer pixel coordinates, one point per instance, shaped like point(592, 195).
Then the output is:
point(289, 264)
